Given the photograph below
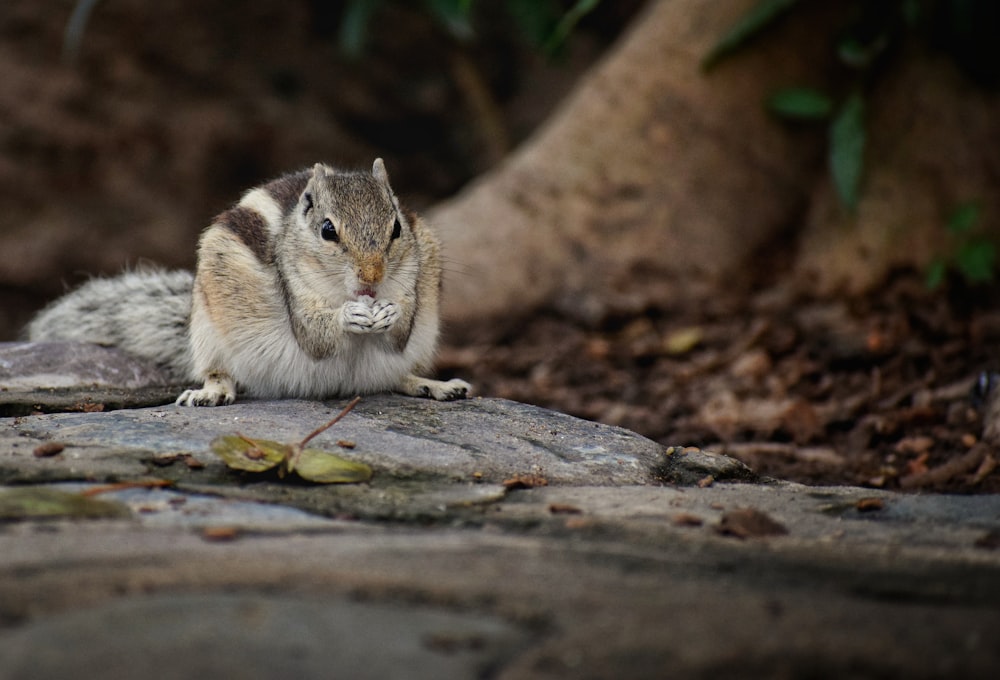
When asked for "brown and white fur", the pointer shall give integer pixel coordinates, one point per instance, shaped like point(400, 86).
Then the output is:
point(316, 284)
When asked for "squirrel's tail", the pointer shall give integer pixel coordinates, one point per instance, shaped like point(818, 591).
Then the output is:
point(145, 313)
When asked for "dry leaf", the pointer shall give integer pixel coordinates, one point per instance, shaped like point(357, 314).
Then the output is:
point(48, 449)
point(749, 523)
point(525, 481)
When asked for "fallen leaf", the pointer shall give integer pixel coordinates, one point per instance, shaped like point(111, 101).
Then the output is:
point(220, 533)
point(918, 465)
point(683, 340)
point(192, 462)
point(325, 468)
point(42, 503)
point(917, 445)
point(749, 523)
point(86, 407)
point(259, 455)
point(869, 504)
point(985, 469)
point(118, 486)
point(48, 449)
point(525, 482)
point(240, 452)
point(686, 519)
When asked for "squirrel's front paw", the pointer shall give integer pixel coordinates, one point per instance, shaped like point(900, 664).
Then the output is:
point(219, 390)
point(384, 315)
point(376, 317)
point(356, 317)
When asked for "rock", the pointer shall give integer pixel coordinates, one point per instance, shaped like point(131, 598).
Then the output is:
point(689, 465)
point(32, 365)
point(68, 376)
point(430, 458)
point(476, 440)
point(257, 636)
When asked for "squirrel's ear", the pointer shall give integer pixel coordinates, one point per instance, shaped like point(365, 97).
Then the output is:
point(378, 170)
point(319, 171)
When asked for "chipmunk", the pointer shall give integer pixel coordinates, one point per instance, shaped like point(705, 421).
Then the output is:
point(316, 284)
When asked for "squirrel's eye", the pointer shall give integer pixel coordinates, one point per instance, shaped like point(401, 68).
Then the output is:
point(397, 229)
point(328, 231)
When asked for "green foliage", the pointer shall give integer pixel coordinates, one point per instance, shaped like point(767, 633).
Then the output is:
point(763, 14)
point(965, 29)
point(847, 149)
point(801, 103)
point(543, 22)
point(971, 254)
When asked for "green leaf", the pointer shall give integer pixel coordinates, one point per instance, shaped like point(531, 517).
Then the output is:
point(251, 455)
point(454, 15)
point(854, 53)
point(800, 103)
point(976, 261)
point(749, 25)
point(535, 18)
point(964, 218)
point(568, 21)
point(354, 25)
point(42, 503)
point(326, 468)
point(847, 149)
point(935, 274)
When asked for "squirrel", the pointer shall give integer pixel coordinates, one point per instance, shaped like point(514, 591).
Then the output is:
point(316, 284)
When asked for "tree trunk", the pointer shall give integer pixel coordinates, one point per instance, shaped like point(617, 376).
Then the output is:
point(655, 175)
point(651, 172)
point(934, 145)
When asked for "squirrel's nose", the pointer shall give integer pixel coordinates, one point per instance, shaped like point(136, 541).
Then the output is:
point(371, 270)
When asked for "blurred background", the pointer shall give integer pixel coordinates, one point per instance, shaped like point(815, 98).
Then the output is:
point(125, 126)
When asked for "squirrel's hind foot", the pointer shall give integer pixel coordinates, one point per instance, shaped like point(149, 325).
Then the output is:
point(438, 390)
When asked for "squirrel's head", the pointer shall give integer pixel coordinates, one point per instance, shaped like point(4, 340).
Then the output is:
point(353, 219)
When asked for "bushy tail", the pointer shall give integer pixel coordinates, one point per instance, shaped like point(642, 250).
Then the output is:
point(144, 313)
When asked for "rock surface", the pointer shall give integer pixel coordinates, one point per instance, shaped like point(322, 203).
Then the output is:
point(494, 540)
point(69, 376)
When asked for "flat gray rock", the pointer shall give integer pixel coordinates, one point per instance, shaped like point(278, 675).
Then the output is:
point(474, 441)
point(256, 636)
point(66, 376)
point(31, 365)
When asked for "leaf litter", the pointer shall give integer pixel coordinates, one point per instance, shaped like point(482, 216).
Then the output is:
point(868, 390)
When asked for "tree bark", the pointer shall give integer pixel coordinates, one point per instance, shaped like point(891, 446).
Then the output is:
point(651, 172)
point(655, 174)
point(933, 145)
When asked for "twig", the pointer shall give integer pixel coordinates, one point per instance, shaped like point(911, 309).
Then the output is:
point(967, 462)
point(323, 428)
point(808, 454)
